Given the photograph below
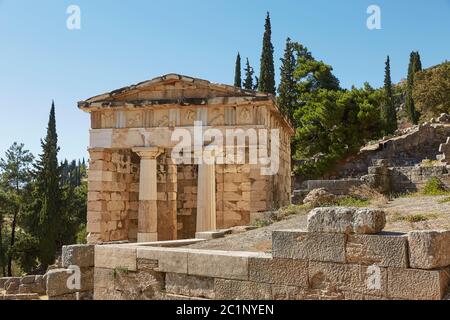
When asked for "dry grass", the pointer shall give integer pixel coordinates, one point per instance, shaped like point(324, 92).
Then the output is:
point(366, 193)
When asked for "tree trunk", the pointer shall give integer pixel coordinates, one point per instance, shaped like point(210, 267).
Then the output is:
point(13, 240)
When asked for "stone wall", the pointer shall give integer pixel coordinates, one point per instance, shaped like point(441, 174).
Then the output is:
point(422, 142)
point(74, 280)
point(23, 288)
point(344, 255)
point(187, 201)
point(113, 195)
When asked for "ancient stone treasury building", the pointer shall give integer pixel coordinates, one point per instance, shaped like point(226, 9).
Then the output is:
point(176, 155)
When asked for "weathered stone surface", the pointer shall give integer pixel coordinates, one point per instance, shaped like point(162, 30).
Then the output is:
point(86, 295)
point(78, 255)
point(429, 249)
point(241, 290)
point(118, 284)
point(346, 220)
point(111, 257)
point(28, 280)
point(12, 285)
point(336, 278)
point(279, 271)
point(3, 281)
point(169, 259)
point(104, 278)
point(219, 264)
point(417, 284)
point(319, 197)
point(296, 244)
point(384, 250)
point(59, 281)
point(208, 235)
point(192, 286)
point(282, 292)
point(27, 296)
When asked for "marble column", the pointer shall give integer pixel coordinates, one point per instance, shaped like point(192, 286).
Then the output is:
point(148, 194)
point(206, 198)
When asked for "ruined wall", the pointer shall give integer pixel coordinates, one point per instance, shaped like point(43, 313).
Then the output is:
point(421, 143)
point(113, 195)
point(349, 258)
point(187, 201)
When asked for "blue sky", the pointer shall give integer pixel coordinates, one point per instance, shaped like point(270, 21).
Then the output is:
point(124, 42)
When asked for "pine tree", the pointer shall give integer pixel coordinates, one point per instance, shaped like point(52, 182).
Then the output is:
point(48, 194)
point(415, 65)
point(389, 114)
point(267, 71)
point(237, 72)
point(286, 90)
point(248, 82)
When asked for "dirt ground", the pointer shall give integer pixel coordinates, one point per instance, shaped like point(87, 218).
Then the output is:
point(403, 215)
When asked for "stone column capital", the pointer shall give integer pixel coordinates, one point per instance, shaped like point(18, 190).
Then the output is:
point(148, 152)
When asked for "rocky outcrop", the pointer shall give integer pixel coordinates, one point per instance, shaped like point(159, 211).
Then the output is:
point(319, 197)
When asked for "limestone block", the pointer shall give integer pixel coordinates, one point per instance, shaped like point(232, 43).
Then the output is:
point(3, 281)
point(281, 292)
point(340, 278)
point(59, 281)
point(241, 290)
point(346, 220)
point(414, 284)
point(28, 280)
point(208, 235)
point(429, 249)
point(296, 244)
point(219, 264)
point(384, 250)
point(103, 278)
point(12, 285)
point(111, 257)
point(192, 286)
point(279, 271)
point(22, 297)
point(78, 255)
point(172, 260)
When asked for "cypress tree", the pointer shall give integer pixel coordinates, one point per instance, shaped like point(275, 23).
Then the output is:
point(286, 90)
point(415, 65)
point(267, 72)
point(389, 114)
point(237, 72)
point(248, 82)
point(48, 194)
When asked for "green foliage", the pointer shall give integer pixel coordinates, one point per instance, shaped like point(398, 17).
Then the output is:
point(267, 71)
point(445, 200)
point(82, 235)
point(412, 218)
point(249, 72)
point(352, 202)
point(25, 251)
point(431, 91)
point(262, 223)
point(333, 124)
point(48, 195)
point(388, 110)
point(237, 72)
point(415, 65)
point(434, 187)
point(15, 181)
point(287, 95)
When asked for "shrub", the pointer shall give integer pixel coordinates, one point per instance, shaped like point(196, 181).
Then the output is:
point(435, 187)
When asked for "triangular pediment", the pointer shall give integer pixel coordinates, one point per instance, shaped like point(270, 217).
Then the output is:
point(171, 87)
